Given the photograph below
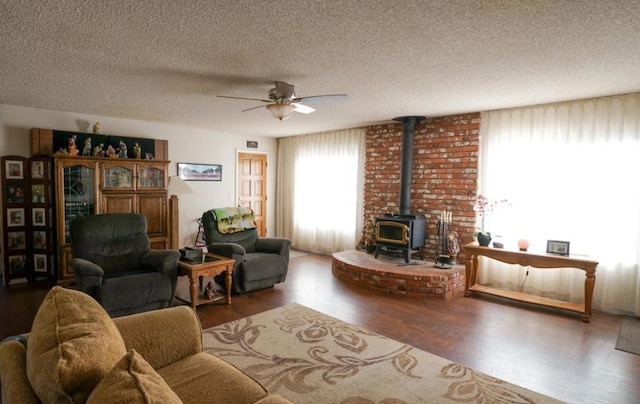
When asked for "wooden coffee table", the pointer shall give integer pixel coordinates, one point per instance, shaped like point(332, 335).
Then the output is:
point(214, 265)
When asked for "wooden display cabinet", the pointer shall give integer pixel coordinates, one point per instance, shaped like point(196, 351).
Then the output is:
point(88, 185)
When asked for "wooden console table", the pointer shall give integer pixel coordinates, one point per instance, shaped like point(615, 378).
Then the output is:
point(473, 251)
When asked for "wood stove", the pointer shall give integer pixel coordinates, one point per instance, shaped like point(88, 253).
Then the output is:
point(403, 231)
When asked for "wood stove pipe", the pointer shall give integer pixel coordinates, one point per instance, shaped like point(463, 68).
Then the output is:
point(408, 131)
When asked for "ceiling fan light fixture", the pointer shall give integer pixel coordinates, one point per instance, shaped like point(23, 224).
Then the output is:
point(280, 111)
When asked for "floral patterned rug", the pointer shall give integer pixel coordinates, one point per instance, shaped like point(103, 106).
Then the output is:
point(309, 357)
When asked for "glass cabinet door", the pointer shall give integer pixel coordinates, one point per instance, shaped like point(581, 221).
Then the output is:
point(78, 193)
point(151, 177)
point(117, 177)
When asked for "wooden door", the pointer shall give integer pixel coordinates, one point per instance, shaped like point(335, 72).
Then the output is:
point(252, 187)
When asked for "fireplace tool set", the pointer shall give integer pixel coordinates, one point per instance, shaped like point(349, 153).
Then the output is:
point(447, 245)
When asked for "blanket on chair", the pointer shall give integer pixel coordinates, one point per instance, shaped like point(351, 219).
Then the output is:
point(232, 220)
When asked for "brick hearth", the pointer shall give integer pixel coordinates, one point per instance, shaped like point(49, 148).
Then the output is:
point(422, 281)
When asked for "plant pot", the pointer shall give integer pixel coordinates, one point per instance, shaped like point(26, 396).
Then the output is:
point(484, 239)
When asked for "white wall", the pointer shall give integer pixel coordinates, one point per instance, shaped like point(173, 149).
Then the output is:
point(186, 145)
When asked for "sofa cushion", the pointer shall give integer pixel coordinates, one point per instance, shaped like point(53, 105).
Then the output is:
point(200, 377)
point(73, 344)
point(259, 266)
point(132, 380)
point(137, 292)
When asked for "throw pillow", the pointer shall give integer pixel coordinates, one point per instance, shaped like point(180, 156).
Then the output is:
point(132, 380)
point(73, 344)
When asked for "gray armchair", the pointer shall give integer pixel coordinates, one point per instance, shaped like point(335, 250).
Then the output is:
point(260, 262)
point(113, 263)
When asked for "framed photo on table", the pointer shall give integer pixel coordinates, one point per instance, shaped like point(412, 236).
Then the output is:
point(558, 247)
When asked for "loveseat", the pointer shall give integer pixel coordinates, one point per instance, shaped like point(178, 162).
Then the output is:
point(76, 353)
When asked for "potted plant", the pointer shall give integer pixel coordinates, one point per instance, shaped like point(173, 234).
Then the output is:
point(484, 207)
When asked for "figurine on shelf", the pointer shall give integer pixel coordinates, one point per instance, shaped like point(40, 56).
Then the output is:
point(111, 152)
point(137, 150)
point(73, 150)
point(122, 150)
point(209, 292)
point(98, 151)
point(96, 127)
point(86, 150)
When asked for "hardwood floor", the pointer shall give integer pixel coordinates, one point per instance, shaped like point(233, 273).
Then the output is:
point(545, 350)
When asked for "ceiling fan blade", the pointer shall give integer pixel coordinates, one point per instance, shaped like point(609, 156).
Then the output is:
point(243, 98)
point(321, 98)
point(304, 109)
point(249, 109)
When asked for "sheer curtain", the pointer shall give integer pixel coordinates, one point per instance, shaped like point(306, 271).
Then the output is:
point(570, 171)
point(319, 190)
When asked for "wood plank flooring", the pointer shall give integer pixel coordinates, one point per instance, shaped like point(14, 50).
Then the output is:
point(546, 350)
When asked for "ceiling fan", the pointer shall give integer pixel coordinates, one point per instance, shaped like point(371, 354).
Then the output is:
point(283, 101)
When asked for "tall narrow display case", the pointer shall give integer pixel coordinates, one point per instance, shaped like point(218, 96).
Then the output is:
point(28, 218)
point(87, 186)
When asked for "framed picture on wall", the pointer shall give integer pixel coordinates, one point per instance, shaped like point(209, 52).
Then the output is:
point(40, 262)
point(16, 240)
point(14, 193)
point(38, 193)
point(17, 264)
point(40, 240)
point(39, 216)
point(15, 217)
point(14, 169)
point(37, 169)
point(200, 172)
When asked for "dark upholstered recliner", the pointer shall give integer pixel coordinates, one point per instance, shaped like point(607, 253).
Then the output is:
point(113, 263)
point(260, 262)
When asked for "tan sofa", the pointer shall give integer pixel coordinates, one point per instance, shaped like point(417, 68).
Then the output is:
point(76, 353)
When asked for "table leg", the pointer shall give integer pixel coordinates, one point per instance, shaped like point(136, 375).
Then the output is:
point(193, 288)
point(227, 283)
point(470, 273)
point(589, 284)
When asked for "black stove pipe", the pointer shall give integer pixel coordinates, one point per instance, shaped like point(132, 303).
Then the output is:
point(408, 131)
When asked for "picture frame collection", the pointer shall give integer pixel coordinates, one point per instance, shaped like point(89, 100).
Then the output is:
point(27, 224)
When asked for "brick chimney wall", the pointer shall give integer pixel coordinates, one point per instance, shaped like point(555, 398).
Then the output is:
point(444, 175)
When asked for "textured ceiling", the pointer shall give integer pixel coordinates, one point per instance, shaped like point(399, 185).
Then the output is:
point(166, 61)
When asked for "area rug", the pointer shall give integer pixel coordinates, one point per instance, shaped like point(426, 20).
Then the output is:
point(629, 335)
point(309, 357)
